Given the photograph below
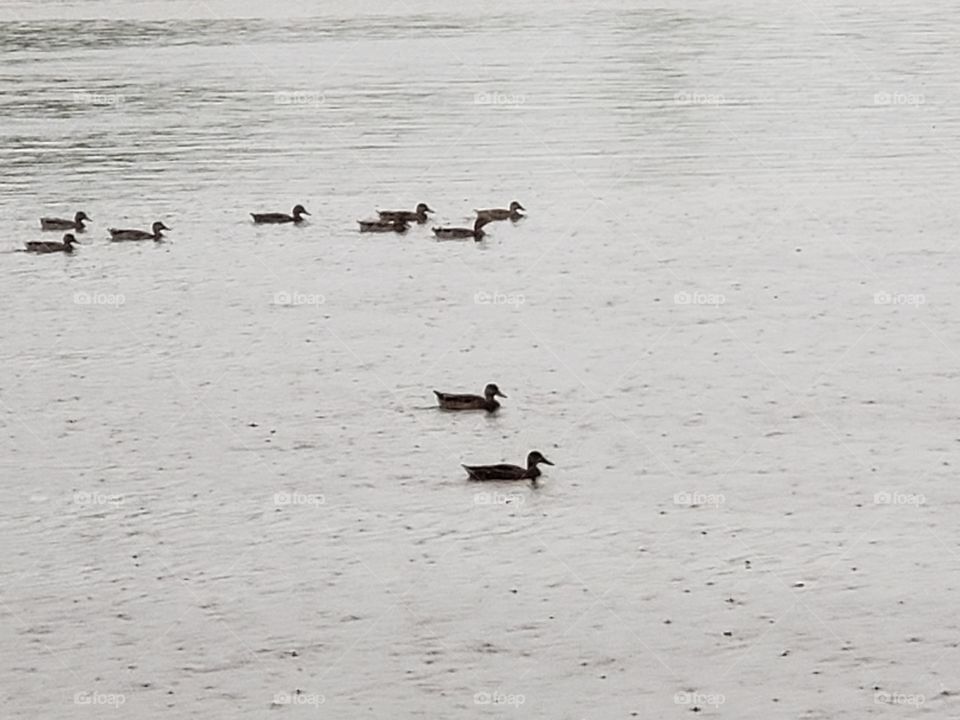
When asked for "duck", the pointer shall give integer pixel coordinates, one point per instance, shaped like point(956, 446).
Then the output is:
point(503, 213)
point(451, 233)
point(279, 218)
point(397, 225)
point(61, 224)
point(44, 246)
point(509, 472)
point(118, 235)
point(419, 215)
point(450, 401)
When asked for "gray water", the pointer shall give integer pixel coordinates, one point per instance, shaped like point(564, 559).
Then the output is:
point(727, 319)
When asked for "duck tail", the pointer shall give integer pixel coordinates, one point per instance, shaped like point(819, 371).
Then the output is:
point(438, 394)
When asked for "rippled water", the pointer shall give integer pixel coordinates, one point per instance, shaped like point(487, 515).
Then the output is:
point(734, 288)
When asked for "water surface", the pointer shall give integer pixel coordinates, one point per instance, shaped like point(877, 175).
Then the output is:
point(736, 281)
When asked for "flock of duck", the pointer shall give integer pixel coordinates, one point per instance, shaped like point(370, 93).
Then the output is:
point(77, 225)
point(399, 221)
point(387, 221)
point(452, 401)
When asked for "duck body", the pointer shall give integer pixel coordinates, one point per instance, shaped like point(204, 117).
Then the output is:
point(508, 472)
point(511, 213)
point(62, 224)
point(488, 402)
point(418, 216)
point(295, 217)
point(122, 235)
point(43, 246)
point(396, 225)
point(459, 233)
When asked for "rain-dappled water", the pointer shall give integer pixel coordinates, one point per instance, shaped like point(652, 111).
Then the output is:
point(727, 319)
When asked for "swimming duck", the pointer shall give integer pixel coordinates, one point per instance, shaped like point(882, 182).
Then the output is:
point(395, 225)
point(488, 402)
point(118, 235)
point(278, 218)
point(508, 472)
point(503, 213)
point(449, 233)
point(419, 215)
point(61, 224)
point(42, 246)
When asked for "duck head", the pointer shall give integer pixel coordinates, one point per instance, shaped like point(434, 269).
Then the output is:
point(491, 391)
point(299, 210)
point(80, 217)
point(69, 240)
point(514, 206)
point(423, 208)
point(157, 227)
point(535, 458)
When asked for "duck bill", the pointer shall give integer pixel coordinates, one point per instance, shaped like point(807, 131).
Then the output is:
point(500, 394)
point(545, 461)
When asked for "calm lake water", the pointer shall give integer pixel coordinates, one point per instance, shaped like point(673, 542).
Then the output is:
point(728, 320)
